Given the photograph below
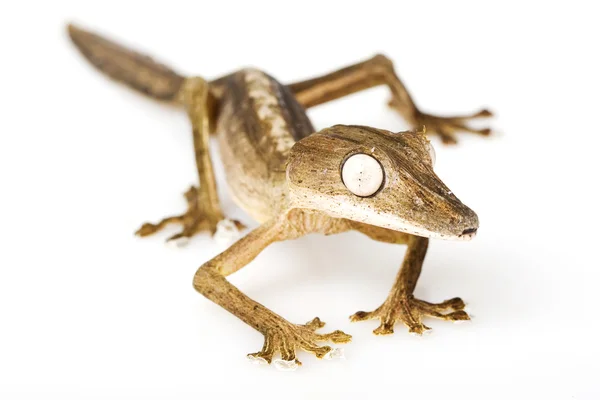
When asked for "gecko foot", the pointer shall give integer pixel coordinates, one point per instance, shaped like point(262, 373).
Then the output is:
point(447, 127)
point(196, 219)
point(410, 311)
point(284, 338)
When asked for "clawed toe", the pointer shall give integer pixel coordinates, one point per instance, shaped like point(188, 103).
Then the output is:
point(287, 365)
point(419, 329)
point(454, 304)
point(458, 316)
point(335, 337)
point(315, 324)
point(148, 228)
point(384, 329)
point(258, 358)
point(484, 113)
point(361, 316)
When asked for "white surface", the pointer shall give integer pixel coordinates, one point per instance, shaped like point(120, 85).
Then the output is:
point(89, 311)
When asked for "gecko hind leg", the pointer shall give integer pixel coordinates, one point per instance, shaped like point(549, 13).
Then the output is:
point(377, 71)
point(204, 210)
point(154, 79)
point(195, 220)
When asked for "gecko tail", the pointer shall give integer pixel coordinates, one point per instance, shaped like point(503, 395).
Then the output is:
point(127, 66)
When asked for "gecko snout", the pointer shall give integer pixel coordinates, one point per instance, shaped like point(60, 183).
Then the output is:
point(466, 228)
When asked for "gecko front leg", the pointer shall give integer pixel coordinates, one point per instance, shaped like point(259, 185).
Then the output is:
point(401, 305)
point(281, 336)
point(204, 210)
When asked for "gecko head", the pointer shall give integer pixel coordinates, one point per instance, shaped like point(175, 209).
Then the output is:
point(378, 178)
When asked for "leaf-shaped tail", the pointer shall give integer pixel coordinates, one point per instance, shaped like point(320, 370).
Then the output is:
point(136, 70)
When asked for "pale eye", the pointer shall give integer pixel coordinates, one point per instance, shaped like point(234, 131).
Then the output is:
point(431, 154)
point(362, 175)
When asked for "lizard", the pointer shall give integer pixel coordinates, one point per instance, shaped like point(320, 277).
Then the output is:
point(294, 180)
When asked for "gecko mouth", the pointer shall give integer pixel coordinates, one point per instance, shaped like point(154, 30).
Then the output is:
point(468, 234)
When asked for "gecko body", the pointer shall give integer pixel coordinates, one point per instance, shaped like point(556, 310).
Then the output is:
point(295, 180)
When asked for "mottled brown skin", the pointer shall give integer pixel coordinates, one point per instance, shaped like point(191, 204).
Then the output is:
point(287, 177)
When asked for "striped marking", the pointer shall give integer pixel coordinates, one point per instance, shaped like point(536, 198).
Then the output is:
point(268, 110)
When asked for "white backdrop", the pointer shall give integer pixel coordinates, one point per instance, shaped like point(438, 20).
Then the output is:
point(87, 310)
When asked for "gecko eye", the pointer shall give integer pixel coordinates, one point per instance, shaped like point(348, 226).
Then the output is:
point(362, 175)
point(431, 153)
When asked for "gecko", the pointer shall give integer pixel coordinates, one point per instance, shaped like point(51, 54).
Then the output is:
point(294, 180)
